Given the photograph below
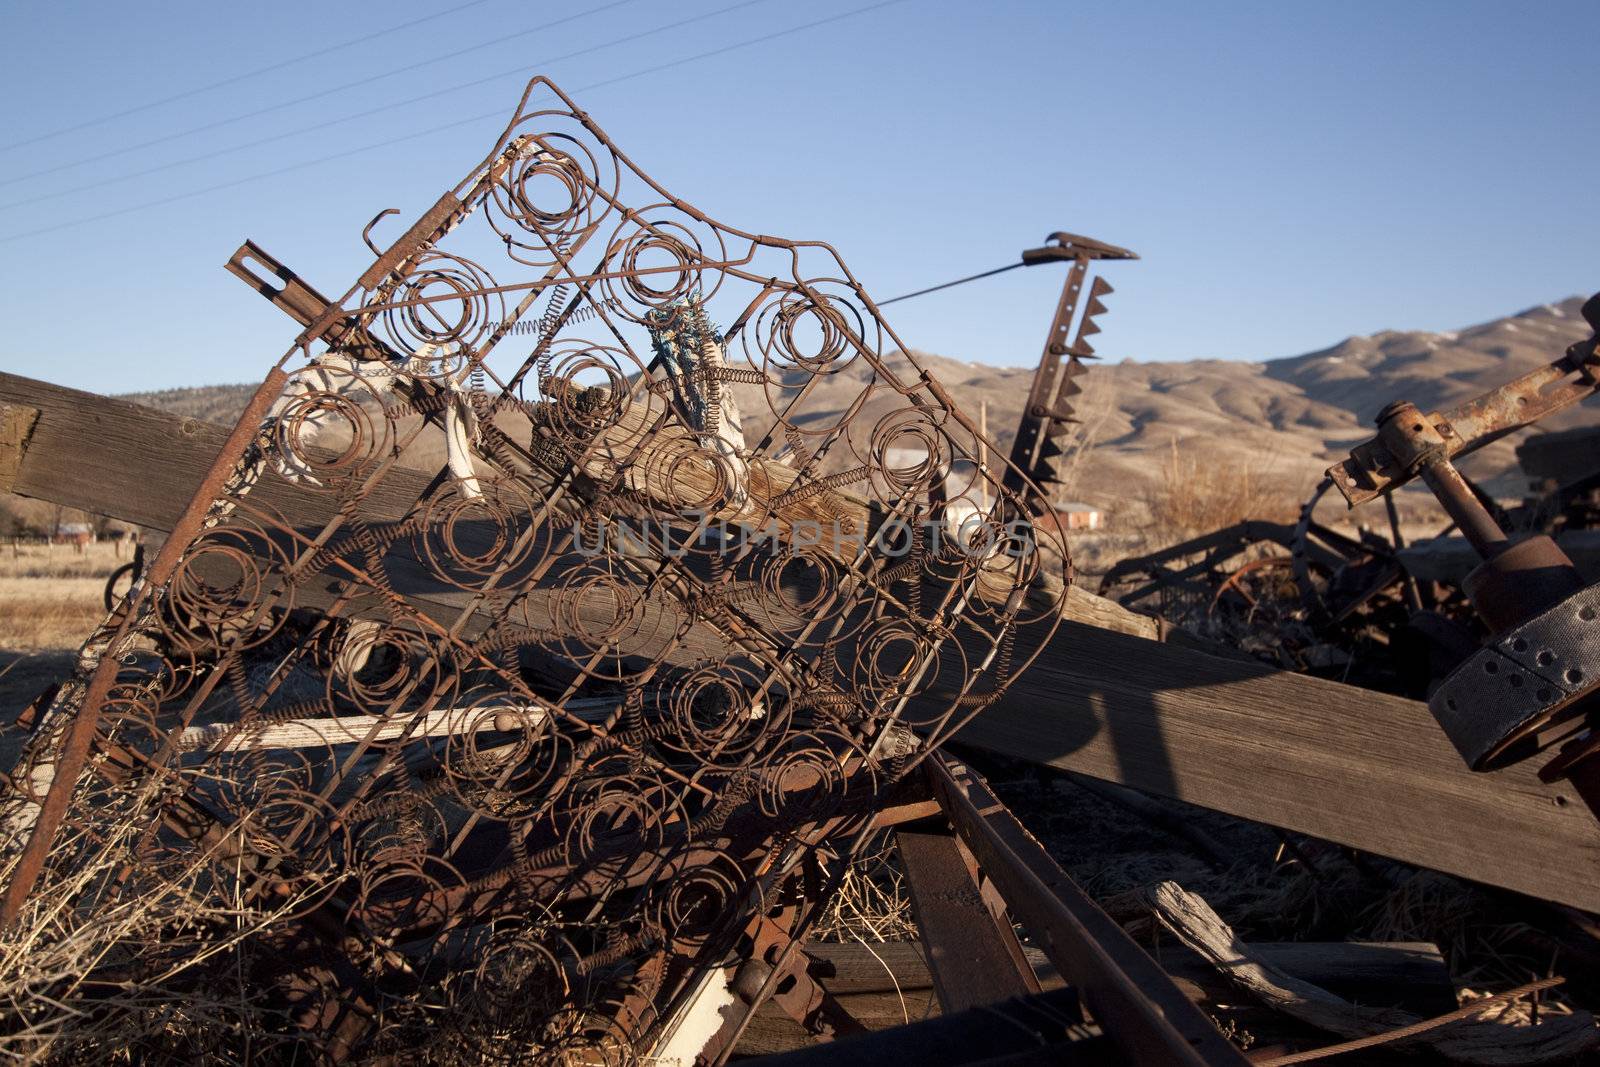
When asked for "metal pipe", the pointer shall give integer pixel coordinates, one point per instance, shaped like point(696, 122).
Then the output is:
point(1476, 524)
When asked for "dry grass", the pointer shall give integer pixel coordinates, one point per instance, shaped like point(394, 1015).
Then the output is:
point(49, 613)
point(1195, 493)
point(873, 903)
point(1095, 406)
point(103, 911)
point(51, 596)
point(19, 561)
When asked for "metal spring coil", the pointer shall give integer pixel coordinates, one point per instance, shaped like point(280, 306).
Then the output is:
point(710, 384)
point(527, 327)
point(833, 481)
point(796, 440)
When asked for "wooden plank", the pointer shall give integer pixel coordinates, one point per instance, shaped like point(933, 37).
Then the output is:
point(1393, 974)
point(1410, 974)
point(1363, 769)
point(1355, 767)
point(862, 967)
point(140, 465)
point(1031, 1030)
point(772, 1031)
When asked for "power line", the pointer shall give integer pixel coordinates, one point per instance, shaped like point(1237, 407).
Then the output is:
point(382, 109)
point(187, 93)
point(947, 285)
point(496, 114)
point(280, 105)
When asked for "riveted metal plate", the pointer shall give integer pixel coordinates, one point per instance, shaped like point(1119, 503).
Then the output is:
point(1510, 688)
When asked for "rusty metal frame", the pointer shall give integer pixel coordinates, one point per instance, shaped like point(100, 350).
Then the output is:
point(1138, 1006)
point(680, 753)
point(1118, 1007)
point(1374, 467)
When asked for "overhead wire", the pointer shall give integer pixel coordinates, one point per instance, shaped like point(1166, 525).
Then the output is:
point(382, 109)
point(319, 94)
point(235, 79)
point(947, 285)
point(498, 113)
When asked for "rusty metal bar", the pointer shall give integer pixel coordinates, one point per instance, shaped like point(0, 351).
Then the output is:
point(1373, 468)
point(973, 958)
point(1140, 1008)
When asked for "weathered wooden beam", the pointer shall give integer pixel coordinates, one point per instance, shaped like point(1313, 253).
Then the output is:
point(1361, 768)
point(1352, 766)
point(1411, 974)
point(1025, 1030)
point(772, 1031)
point(140, 465)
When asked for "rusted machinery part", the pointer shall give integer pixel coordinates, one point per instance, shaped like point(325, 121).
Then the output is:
point(1353, 572)
point(1342, 552)
point(1385, 462)
point(1239, 583)
point(975, 869)
point(1141, 1009)
point(1542, 661)
point(1522, 681)
point(539, 747)
point(1194, 567)
point(1050, 409)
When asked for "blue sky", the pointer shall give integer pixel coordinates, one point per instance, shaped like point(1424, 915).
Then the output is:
point(1291, 173)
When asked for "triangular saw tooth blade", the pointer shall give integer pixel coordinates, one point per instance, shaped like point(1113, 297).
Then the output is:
point(1095, 306)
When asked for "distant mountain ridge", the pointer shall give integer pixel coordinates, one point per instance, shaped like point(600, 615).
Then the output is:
point(1284, 419)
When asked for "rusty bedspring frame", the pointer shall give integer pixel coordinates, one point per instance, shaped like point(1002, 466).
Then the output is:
point(688, 653)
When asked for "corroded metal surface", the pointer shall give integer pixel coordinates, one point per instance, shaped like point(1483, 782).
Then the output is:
point(508, 766)
point(1374, 468)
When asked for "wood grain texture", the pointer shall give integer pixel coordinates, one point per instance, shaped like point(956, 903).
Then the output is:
point(141, 465)
point(1363, 769)
point(16, 428)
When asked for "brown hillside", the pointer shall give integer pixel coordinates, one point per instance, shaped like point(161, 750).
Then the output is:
point(1279, 422)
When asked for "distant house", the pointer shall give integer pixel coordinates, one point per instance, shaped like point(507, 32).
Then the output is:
point(74, 533)
point(1073, 515)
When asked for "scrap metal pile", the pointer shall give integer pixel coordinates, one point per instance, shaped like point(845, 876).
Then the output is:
point(1496, 627)
point(1370, 608)
point(510, 755)
point(508, 691)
